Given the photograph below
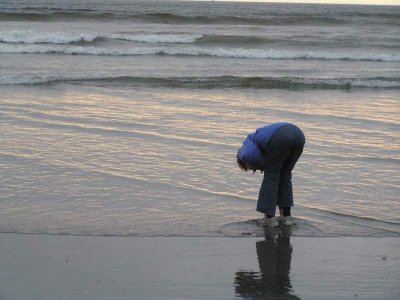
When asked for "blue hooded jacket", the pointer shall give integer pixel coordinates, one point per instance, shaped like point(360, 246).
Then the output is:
point(255, 145)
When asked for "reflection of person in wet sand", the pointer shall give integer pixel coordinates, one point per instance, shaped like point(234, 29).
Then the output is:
point(272, 282)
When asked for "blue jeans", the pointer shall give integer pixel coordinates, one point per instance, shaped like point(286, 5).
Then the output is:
point(283, 151)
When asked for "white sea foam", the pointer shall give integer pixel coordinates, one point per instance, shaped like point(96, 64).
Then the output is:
point(54, 37)
point(24, 79)
point(198, 51)
point(158, 38)
point(58, 37)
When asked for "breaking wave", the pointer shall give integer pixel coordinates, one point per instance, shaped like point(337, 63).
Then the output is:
point(58, 37)
point(222, 40)
point(197, 51)
point(211, 82)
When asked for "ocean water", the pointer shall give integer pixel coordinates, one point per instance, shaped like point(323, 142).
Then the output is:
point(124, 117)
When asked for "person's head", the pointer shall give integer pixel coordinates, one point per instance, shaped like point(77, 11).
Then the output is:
point(242, 164)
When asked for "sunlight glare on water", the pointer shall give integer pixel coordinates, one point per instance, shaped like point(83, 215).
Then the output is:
point(103, 155)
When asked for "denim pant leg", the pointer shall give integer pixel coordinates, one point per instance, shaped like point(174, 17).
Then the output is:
point(277, 151)
point(285, 194)
point(283, 151)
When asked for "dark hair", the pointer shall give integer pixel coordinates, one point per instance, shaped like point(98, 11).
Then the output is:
point(240, 162)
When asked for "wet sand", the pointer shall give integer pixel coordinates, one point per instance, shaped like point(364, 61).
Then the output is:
point(89, 267)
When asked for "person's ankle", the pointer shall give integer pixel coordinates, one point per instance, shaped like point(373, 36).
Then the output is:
point(286, 212)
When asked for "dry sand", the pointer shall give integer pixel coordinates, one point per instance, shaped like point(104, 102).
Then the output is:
point(83, 267)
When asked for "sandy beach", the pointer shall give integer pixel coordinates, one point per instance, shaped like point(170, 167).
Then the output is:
point(80, 267)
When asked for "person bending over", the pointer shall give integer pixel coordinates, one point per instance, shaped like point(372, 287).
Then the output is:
point(274, 149)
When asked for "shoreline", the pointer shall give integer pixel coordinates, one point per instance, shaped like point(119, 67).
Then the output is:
point(37, 266)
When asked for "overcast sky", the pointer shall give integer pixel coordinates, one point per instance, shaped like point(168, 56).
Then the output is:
point(375, 2)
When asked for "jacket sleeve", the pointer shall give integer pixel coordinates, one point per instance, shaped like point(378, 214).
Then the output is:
point(251, 153)
point(259, 139)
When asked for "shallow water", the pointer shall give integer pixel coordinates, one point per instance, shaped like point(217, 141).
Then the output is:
point(91, 160)
point(145, 144)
